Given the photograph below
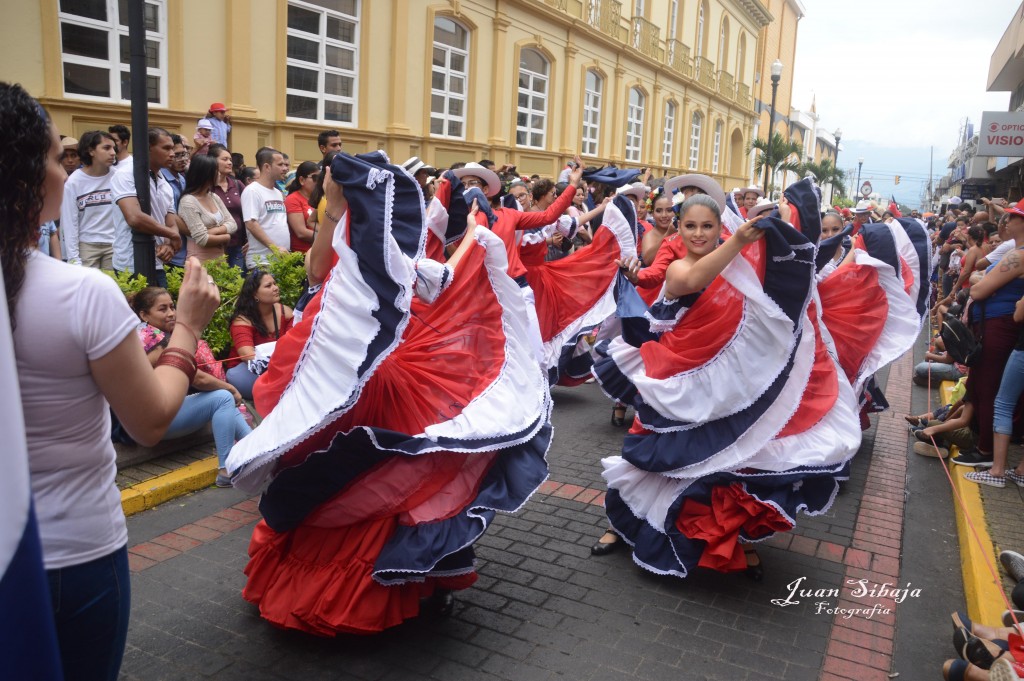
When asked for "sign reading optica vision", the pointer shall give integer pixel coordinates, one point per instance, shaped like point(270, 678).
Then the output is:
point(1001, 134)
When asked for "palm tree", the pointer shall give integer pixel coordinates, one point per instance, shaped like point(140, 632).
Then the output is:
point(826, 173)
point(778, 155)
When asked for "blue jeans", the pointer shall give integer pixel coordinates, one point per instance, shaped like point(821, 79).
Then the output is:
point(940, 372)
point(218, 408)
point(243, 379)
point(1010, 389)
point(235, 257)
point(91, 604)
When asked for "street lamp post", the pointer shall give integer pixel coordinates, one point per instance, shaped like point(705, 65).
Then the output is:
point(860, 164)
point(835, 166)
point(776, 74)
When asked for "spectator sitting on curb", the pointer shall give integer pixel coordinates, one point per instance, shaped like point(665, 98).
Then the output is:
point(955, 429)
point(215, 401)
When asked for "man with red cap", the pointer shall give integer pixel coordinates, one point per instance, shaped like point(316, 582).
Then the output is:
point(221, 121)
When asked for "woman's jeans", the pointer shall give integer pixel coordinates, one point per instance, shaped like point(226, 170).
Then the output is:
point(218, 408)
point(243, 379)
point(1010, 389)
point(91, 604)
point(939, 373)
point(236, 258)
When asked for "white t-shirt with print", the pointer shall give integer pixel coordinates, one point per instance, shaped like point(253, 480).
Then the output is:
point(86, 212)
point(265, 206)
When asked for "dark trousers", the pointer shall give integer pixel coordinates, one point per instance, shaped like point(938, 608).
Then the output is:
point(91, 605)
point(998, 336)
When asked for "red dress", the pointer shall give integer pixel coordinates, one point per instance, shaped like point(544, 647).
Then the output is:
point(395, 428)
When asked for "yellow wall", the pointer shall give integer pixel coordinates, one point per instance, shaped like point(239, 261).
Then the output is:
point(234, 51)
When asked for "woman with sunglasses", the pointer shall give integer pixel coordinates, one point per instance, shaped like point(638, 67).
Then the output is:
point(259, 318)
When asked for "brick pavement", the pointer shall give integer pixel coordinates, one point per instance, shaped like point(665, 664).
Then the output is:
point(543, 608)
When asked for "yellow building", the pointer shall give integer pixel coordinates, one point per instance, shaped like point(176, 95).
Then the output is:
point(663, 83)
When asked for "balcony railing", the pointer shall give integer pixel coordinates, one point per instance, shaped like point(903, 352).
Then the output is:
point(726, 85)
point(605, 15)
point(743, 95)
point(705, 69)
point(677, 57)
point(646, 37)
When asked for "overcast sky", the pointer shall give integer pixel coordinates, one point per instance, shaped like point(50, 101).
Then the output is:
point(898, 76)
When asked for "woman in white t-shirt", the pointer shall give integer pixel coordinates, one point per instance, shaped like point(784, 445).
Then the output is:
point(86, 220)
point(75, 355)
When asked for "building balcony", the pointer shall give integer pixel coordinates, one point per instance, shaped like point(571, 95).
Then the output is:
point(646, 38)
point(677, 57)
point(705, 69)
point(743, 96)
point(643, 36)
point(726, 85)
point(605, 16)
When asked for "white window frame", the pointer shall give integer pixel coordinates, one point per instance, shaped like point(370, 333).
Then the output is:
point(673, 18)
point(670, 133)
point(115, 30)
point(448, 96)
point(321, 66)
point(635, 125)
point(537, 103)
point(591, 142)
point(700, 28)
point(696, 123)
point(717, 147)
point(723, 38)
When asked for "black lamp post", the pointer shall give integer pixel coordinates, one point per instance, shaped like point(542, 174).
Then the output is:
point(860, 164)
point(776, 75)
point(835, 166)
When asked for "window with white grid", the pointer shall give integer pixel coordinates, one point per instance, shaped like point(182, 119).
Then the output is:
point(670, 133)
point(322, 60)
point(95, 50)
point(591, 114)
point(717, 147)
point(531, 112)
point(673, 18)
point(449, 77)
point(635, 125)
point(695, 139)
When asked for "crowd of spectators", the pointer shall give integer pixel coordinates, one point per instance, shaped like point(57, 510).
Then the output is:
point(979, 283)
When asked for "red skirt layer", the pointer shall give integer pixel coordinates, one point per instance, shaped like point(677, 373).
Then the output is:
point(854, 309)
point(566, 289)
point(318, 577)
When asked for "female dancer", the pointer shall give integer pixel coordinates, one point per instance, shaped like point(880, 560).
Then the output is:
point(718, 447)
point(396, 428)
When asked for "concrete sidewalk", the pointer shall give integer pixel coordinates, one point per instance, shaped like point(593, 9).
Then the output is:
point(543, 608)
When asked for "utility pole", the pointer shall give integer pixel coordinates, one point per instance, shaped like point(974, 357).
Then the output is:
point(142, 244)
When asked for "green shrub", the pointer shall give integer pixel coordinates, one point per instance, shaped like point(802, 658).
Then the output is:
point(288, 270)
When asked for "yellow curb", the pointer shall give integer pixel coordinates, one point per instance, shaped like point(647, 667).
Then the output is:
point(150, 493)
point(984, 596)
point(946, 391)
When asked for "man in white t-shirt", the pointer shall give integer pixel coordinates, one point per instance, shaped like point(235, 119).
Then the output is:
point(86, 213)
point(266, 220)
point(159, 221)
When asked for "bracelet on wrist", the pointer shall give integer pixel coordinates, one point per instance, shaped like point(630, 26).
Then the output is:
point(331, 217)
point(176, 361)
